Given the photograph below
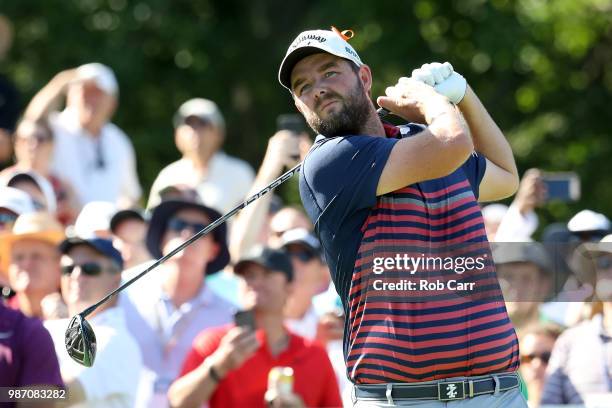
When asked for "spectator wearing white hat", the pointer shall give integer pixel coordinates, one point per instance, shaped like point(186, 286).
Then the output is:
point(13, 203)
point(36, 186)
point(94, 220)
point(222, 181)
point(589, 225)
point(93, 154)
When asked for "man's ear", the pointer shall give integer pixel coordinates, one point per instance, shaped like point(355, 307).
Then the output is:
point(365, 76)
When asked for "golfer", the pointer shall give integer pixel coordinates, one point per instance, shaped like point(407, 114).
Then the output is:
point(373, 191)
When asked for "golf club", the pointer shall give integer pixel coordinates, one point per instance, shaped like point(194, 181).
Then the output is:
point(80, 339)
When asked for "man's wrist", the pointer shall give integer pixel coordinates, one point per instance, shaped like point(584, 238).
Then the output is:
point(215, 368)
point(214, 374)
point(438, 107)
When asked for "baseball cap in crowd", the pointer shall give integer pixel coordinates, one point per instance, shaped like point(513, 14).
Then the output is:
point(16, 201)
point(315, 41)
point(203, 109)
point(94, 219)
point(588, 221)
point(270, 259)
point(102, 75)
point(100, 245)
point(532, 252)
point(159, 222)
point(301, 236)
point(124, 215)
point(41, 183)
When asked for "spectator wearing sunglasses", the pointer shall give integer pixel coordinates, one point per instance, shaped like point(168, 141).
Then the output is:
point(536, 345)
point(31, 261)
point(311, 279)
point(91, 268)
point(166, 311)
point(581, 360)
point(33, 145)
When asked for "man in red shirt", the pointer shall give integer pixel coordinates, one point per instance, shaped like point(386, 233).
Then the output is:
point(228, 366)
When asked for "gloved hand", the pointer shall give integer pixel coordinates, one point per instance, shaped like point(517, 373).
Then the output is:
point(444, 79)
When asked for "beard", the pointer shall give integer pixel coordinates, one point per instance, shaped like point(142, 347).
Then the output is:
point(350, 119)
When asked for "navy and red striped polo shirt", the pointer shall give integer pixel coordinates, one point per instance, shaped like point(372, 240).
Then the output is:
point(414, 334)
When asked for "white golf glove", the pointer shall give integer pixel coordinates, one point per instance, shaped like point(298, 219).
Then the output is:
point(444, 79)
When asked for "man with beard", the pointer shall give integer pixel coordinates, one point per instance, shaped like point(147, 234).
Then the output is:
point(375, 192)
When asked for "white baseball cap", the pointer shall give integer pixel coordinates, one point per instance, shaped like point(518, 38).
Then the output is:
point(16, 200)
point(205, 109)
point(587, 220)
point(43, 184)
point(94, 219)
point(102, 75)
point(313, 42)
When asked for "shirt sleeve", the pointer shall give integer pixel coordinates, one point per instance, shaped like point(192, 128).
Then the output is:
point(39, 361)
point(340, 175)
point(203, 346)
point(474, 169)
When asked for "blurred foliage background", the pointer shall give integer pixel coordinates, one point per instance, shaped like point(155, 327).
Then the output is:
point(543, 68)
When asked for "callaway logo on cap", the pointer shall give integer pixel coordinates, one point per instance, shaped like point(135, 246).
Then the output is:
point(312, 42)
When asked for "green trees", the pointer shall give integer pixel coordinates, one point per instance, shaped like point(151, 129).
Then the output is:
point(544, 69)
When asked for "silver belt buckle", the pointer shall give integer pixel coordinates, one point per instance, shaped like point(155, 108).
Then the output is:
point(451, 391)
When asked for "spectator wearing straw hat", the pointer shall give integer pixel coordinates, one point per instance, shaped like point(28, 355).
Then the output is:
point(30, 256)
point(581, 361)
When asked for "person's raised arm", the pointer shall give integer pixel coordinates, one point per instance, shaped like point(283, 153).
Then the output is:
point(284, 149)
point(48, 98)
point(203, 373)
point(435, 152)
point(501, 178)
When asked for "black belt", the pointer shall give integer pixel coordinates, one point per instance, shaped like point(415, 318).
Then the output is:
point(442, 390)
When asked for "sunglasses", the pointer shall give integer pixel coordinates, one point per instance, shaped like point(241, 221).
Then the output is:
point(303, 255)
point(179, 225)
point(528, 358)
point(7, 218)
point(88, 269)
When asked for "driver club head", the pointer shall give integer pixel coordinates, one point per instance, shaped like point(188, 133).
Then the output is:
point(81, 341)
